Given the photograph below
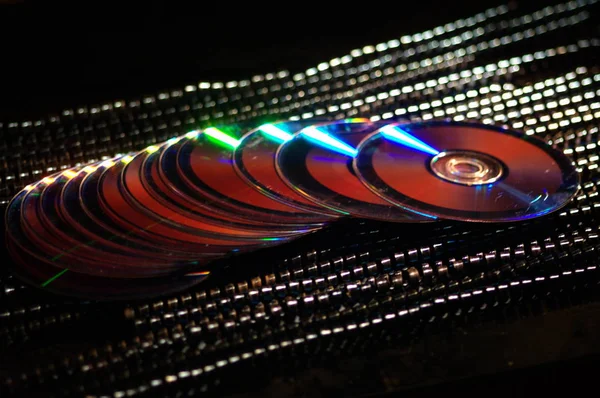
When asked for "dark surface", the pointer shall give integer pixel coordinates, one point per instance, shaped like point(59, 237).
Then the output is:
point(58, 57)
point(555, 353)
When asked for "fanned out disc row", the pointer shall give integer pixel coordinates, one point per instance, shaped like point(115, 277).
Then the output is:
point(152, 222)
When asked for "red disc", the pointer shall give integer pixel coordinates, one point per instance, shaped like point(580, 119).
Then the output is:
point(163, 234)
point(172, 209)
point(466, 171)
point(206, 168)
point(70, 283)
point(318, 165)
point(254, 160)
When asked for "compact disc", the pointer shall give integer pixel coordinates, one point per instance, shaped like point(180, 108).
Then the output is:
point(204, 164)
point(80, 206)
point(34, 225)
point(104, 203)
point(63, 244)
point(140, 186)
point(254, 160)
point(159, 231)
point(64, 281)
point(167, 188)
point(317, 164)
point(466, 171)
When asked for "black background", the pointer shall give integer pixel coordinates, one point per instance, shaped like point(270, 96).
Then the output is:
point(55, 56)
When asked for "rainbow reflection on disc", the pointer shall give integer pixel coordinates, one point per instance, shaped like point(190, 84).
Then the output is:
point(317, 164)
point(201, 170)
point(465, 171)
point(254, 160)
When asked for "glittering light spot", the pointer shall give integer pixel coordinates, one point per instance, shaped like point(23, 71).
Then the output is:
point(89, 169)
point(536, 199)
point(126, 159)
point(69, 174)
point(152, 149)
point(53, 278)
point(356, 120)
point(192, 134)
point(200, 273)
point(400, 136)
point(107, 164)
point(329, 141)
point(275, 132)
point(48, 180)
point(221, 136)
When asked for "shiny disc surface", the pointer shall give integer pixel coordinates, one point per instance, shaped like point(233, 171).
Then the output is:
point(254, 160)
point(35, 225)
point(466, 171)
point(64, 281)
point(177, 217)
point(317, 164)
point(201, 171)
point(181, 206)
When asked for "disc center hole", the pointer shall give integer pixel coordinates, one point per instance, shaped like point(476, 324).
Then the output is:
point(466, 167)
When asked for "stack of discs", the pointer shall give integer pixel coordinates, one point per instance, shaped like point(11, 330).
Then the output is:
point(152, 222)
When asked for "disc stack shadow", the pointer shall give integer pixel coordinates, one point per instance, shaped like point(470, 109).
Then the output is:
point(152, 222)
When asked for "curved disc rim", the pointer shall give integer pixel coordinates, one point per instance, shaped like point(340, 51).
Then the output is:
point(291, 197)
point(365, 172)
point(381, 210)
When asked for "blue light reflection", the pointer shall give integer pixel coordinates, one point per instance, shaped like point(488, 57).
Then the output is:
point(396, 134)
point(275, 132)
point(328, 141)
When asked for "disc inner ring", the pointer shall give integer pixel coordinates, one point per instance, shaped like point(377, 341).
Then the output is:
point(467, 167)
